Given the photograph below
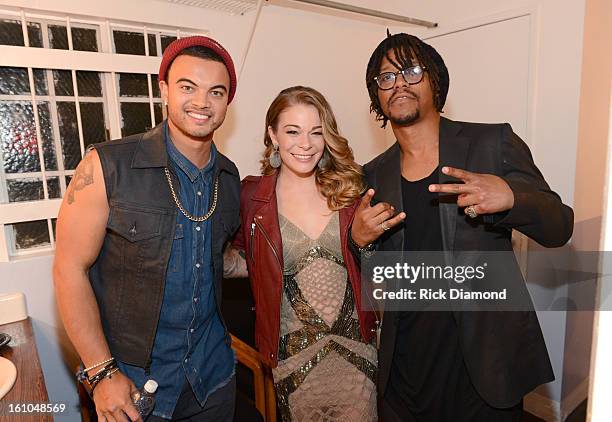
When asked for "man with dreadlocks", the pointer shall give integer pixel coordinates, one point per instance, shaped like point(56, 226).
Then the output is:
point(451, 366)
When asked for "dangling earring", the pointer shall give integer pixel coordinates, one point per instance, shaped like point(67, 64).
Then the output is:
point(324, 161)
point(275, 158)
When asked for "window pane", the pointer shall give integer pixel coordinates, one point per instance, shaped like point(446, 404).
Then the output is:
point(40, 82)
point(69, 134)
point(14, 81)
point(11, 32)
point(62, 80)
point(84, 39)
point(135, 118)
point(152, 45)
point(18, 137)
point(35, 35)
point(94, 127)
point(68, 179)
point(30, 234)
point(53, 187)
point(165, 41)
point(88, 84)
point(129, 42)
point(159, 115)
point(25, 190)
point(58, 37)
point(46, 133)
point(53, 225)
point(155, 86)
point(133, 85)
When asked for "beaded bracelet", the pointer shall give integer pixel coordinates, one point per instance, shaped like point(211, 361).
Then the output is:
point(99, 364)
point(90, 382)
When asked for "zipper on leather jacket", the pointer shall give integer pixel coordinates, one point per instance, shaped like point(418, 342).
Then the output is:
point(265, 235)
point(251, 241)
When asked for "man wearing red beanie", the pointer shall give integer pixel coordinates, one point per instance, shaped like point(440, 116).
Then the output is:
point(140, 235)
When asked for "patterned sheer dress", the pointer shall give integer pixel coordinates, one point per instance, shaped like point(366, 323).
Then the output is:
point(325, 371)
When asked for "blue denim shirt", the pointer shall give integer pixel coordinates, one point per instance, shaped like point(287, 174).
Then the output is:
point(190, 341)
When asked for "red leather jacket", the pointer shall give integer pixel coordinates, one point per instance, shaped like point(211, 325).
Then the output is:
point(260, 237)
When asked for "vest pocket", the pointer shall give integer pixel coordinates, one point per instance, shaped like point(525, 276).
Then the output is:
point(134, 224)
point(137, 248)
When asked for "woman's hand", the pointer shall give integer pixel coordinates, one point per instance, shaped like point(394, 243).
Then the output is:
point(234, 263)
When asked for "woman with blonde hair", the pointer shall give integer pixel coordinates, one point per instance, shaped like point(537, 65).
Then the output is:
point(311, 327)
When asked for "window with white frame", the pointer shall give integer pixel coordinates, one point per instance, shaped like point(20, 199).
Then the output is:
point(66, 83)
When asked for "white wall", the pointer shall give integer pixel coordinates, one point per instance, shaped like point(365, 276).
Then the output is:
point(329, 51)
point(292, 47)
point(594, 159)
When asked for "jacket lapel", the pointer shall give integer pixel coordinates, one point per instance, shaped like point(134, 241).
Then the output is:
point(389, 189)
point(267, 213)
point(454, 150)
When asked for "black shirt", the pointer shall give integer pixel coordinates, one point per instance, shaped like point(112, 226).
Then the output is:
point(422, 230)
point(428, 379)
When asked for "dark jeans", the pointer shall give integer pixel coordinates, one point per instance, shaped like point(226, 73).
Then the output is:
point(219, 406)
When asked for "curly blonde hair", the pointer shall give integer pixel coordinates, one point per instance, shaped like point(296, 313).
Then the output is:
point(340, 181)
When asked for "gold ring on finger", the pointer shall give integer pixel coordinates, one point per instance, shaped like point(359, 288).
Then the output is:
point(384, 226)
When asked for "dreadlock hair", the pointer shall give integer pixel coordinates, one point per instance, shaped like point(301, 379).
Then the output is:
point(408, 50)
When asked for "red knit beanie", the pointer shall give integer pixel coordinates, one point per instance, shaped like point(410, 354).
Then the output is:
point(179, 45)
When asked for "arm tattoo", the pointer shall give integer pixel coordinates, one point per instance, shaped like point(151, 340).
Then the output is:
point(82, 178)
point(234, 264)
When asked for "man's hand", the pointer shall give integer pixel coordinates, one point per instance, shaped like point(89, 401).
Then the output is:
point(485, 193)
point(113, 398)
point(372, 221)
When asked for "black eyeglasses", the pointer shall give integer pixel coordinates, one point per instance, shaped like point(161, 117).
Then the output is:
point(412, 75)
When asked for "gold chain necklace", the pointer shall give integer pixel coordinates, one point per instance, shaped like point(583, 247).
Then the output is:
point(183, 210)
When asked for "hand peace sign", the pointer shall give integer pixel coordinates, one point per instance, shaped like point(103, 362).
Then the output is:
point(479, 193)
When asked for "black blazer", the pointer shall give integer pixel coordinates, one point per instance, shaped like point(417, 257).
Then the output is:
point(504, 352)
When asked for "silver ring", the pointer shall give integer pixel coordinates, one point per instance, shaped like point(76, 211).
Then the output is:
point(471, 212)
point(384, 226)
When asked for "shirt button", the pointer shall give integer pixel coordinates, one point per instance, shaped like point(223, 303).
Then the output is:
point(195, 299)
point(191, 330)
point(198, 265)
point(199, 193)
point(186, 360)
point(197, 228)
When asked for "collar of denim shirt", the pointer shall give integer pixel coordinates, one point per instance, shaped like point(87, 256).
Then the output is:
point(184, 164)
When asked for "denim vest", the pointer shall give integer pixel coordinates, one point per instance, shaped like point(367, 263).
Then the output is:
point(129, 275)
